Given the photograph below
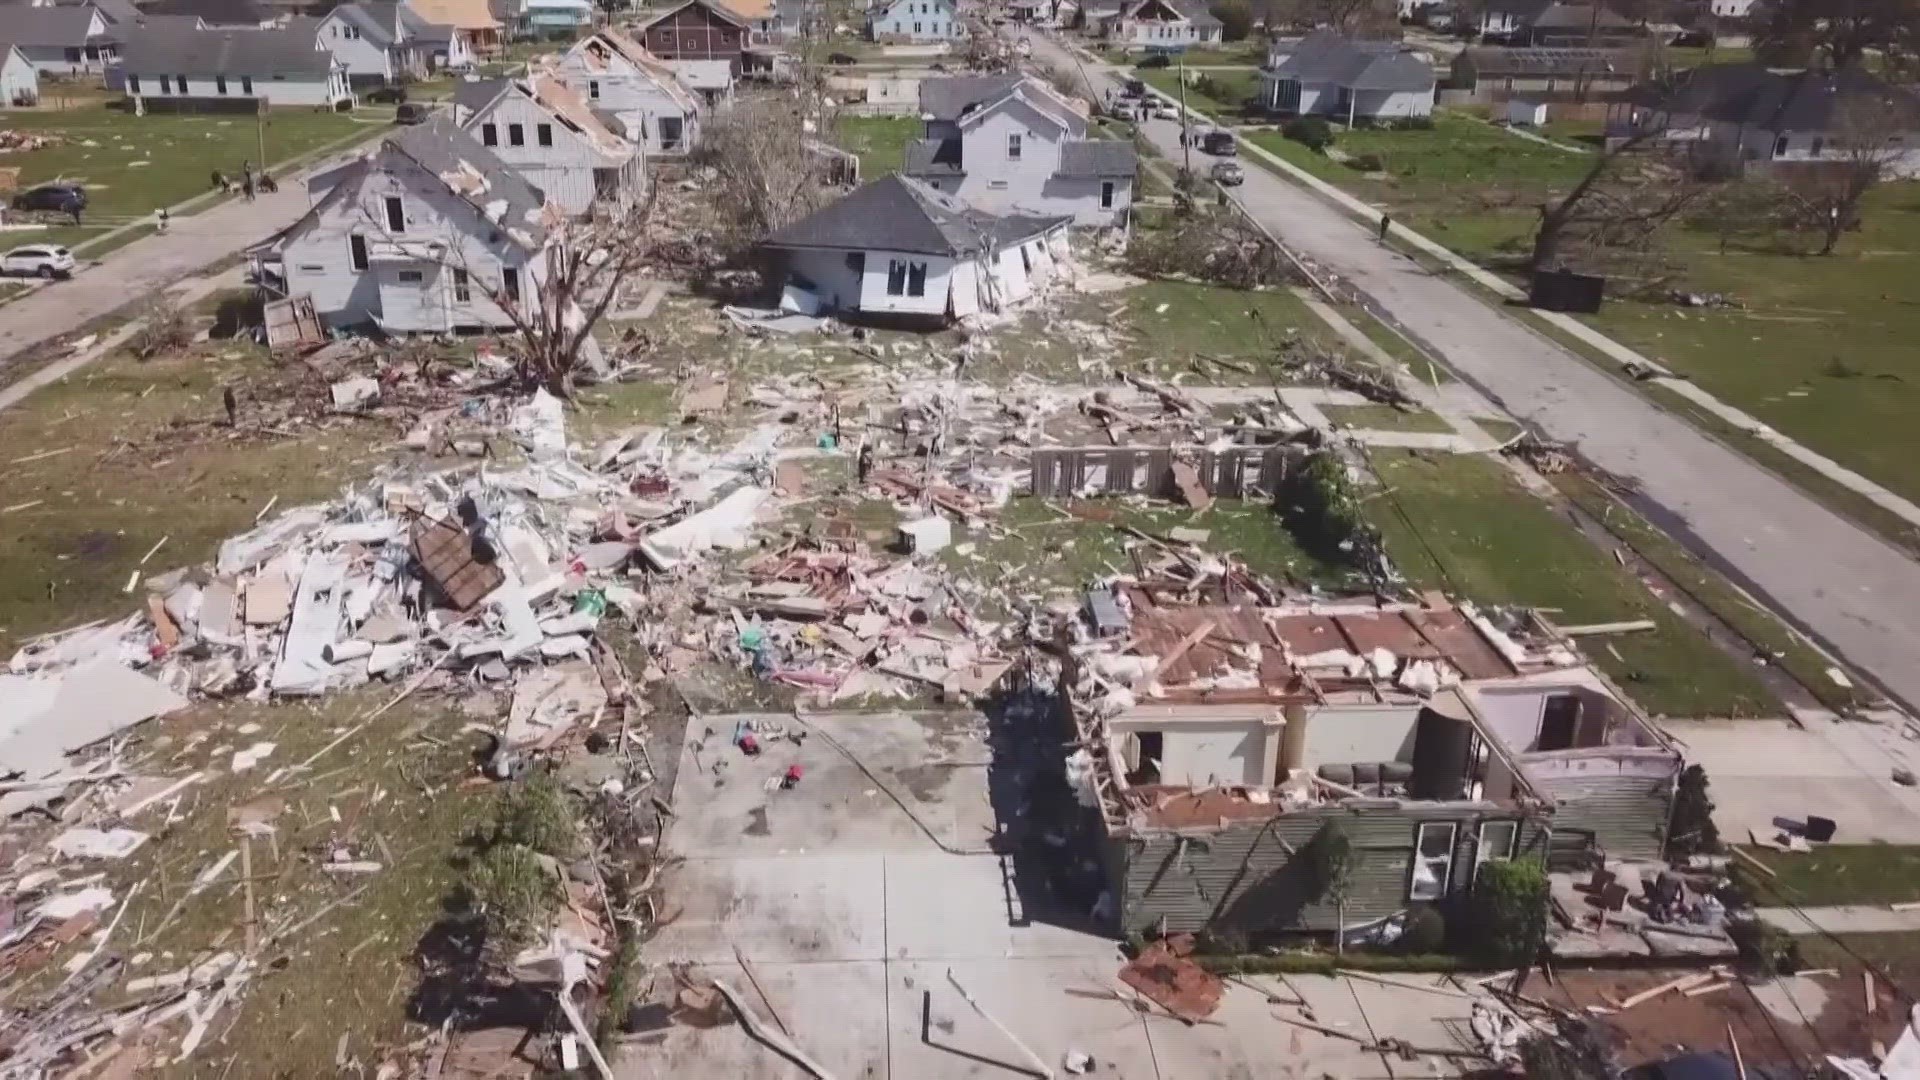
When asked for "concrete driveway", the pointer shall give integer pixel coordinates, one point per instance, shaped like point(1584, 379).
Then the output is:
point(1834, 579)
point(852, 918)
point(1759, 770)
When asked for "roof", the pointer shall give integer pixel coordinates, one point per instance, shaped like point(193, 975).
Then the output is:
point(459, 14)
point(1487, 60)
point(375, 21)
point(48, 26)
point(477, 94)
point(1752, 95)
point(1194, 11)
point(555, 97)
point(1095, 159)
point(217, 12)
point(1577, 17)
point(725, 13)
point(225, 52)
point(933, 157)
point(948, 98)
point(637, 55)
point(896, 213)
point(479, 178)
point(117, 11)
point(751, 10)
point(1326, 57)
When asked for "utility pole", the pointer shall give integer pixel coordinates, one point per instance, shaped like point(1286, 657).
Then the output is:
point(1186, 143)
point(260, 129)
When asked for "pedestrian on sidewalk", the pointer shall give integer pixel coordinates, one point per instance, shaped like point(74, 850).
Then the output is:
point(161, 220)
point(246, 178)
point(1386, 224)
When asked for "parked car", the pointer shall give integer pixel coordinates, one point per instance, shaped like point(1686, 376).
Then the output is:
point(1163, 110)
point(1133, 88)
point(1228, 174)
point(1220, 144)
point(38, 260)
point(56, 196)
point(413, 112)
point(841, 59)
point(1154, 60)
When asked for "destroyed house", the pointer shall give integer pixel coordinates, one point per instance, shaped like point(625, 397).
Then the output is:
point(1219, 740)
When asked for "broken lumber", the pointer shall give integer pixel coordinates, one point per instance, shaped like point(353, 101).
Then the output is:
point(1186, 644)
point(1630, 626)
point(1368, 976)
point(1739, 1062)
point(1040, 1067)
point(773, 1039)
point(1684, 982)
point(762, 991)
point(1751, 861)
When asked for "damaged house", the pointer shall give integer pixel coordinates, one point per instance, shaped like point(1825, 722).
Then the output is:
point(421, 235)
point(545, 132)
point(896, 247)
point(1219, 740)
point(639, 94)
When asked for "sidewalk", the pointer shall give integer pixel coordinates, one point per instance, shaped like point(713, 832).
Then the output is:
point(1847, 919)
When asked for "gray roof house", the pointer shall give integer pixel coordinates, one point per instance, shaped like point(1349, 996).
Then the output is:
point(896, 247)
point(281, 67)
point(428, 232)
point(380, 41)
point(59, 40)
point(1327, 74)
point(1012, 143)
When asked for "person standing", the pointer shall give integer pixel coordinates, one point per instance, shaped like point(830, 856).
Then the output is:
point(1386, 224)
point(246, 179)
point(161, 220)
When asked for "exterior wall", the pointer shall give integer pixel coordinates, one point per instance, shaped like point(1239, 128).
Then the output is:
point(18, 78)
point(1202, 746)
point(1152, 34)
point(362, 58)
point(1244, 879)
point(63, 60)
point(318, 256)
point(873, 285)
point(1624, 800)
point(829, 276)
point(1396, 104)
point(1081, 199)
point(564, 170)
point(915, 20)
point(993, 181)
point(276, 89)
point(635, 98)
point(693, 33)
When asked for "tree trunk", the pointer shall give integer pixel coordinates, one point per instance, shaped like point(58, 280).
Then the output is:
point(1832, 233)
point(1546, 242)
point(1340, 930)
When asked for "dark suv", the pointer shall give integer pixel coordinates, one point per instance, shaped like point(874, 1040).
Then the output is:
point(52, 197)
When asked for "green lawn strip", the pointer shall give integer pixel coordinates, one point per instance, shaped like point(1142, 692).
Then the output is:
point(879, 141)
point(1232, 88)
point(1249, 54)
point(1385, 418)
point(1714, 592)
point(1836, 874)
point(181, 152)
point(1461, 523)
point(1390, 341)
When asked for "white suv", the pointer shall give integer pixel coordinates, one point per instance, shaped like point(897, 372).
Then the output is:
point(43, 260)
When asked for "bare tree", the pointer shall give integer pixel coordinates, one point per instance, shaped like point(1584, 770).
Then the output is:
point(767, 171)
point(1356, 17)
point(1840, 31)
point(1624, 197)
point(1867, 138)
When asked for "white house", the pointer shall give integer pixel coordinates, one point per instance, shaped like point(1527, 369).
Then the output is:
point(280, 67)
point(428, 232)
point(897, 248)
point(914, 20)
point(59, 40)
point(1013, 144)
point(371, 42)
point(646, 100)
point(19, 79)
point(545, 132)
point(1326, 74)
point(1162, 25)
point(1730, 9)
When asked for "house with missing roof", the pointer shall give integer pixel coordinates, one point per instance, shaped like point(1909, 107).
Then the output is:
point(636, 92)
point(1217, 739)
point(172, 69)
point(1161, 25)
point(426, 233)
point(1013, 144)
point(1328, 74)
point(914, 21)
point(1747, 115)
point(897, 249)
point(19, 79)
point(543, 130)
point(1493, 75)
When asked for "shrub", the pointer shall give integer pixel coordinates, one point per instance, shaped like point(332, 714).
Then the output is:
point(1425, 931)
point(1367, 163)
point(1694, 832)
point(163, 329)
point(1309, 131)
point(1411, 123)
point(1768, 945)
point(1155, 60)
point(536, 815)
point(1505, 919)
point(512, 891)
point(1322, 509)
point(1236, 18)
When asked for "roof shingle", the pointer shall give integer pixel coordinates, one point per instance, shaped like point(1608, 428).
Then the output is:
point(896, 213)
point(1097, 159)
point(224, 52)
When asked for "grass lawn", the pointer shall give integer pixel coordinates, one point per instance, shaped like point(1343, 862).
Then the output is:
point(1248, 53)
point(880, 141)
point(1218, 92)
point(1461, 523)
point(1839, 874)
point(1384, 418)
point(132, 165)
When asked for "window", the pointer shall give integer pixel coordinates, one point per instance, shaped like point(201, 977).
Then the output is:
point(462, 291)
point(1559, 723)
point(1497, 841)
point(896, 277)
point(410, 277)
point(1013, 146)
point(670, 132)
point(1432, 860)
point(543, 134)
point(510, 283)
point(1026, 261)
point(1819, 144)
point(396, 215)
point(182, 80)
point(220, 84)
point(917, 279)
point(593, 89)
point(357, 252)
point(916, 28)
point(1106, 194)
point(516, 135)
point(1780, 146)
point(166, 85)
point(246, 85)
point(73, 56)
point(489, 135)
point(997, 185)
point(857, 262)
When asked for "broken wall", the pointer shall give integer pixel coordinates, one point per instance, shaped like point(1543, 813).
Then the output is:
point(1248, 879)
point(1233, 473)
point(1619, 799)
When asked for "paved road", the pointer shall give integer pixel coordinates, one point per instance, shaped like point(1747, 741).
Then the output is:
point(1858, 595)
point(146, 266)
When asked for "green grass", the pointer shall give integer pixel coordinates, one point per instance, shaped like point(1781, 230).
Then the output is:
point(1461, 523)
point(1231, 89)
point(1385, 418)
point(181, 152)
point(880, 141)
point(1834, 874)
point(1248, 53)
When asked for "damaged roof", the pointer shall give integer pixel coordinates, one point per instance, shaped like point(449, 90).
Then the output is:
point(589, 50)
point(473, 97)
point(947, 99)
point(474, 173)
point(897, 213)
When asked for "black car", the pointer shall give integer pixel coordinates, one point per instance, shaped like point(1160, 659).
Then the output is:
point(62, 197)
point(841, 59)
point(412, 112)
point(1219, 143)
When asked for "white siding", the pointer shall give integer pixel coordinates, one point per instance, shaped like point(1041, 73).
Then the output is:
point(873, 285)
point(276, 89)
point(633, 95)
point(17, 77)
point(997, 182)
point(362, 58)
point(318, 257)
point(565, 170)
point(915, 20)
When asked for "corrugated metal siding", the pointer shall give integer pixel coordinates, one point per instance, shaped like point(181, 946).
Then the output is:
point(1626, 815)
point(1246, 879)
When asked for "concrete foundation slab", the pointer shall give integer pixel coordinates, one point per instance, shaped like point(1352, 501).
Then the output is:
point(793, 910)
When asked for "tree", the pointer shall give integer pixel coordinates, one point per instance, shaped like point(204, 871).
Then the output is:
point(1236, 19)
point(1864, 146)
point(1839, 31)
point(1352, 17)
point(1330, 860)
point(1692, 831)
point(768, 173)
point(1623, 198)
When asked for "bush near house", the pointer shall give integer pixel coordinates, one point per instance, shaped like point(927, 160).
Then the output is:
point(1503, 922)
point(1309, 131)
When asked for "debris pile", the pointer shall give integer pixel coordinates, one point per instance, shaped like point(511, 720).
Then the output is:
point(11, 139)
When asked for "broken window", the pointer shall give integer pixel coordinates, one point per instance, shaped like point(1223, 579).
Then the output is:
point(510, 283)
point(1148, 751)
point(1559, 721)
point(917, 279)
point(896, 277)
point(357, 251)
point(1497, 842)
point(396, 215)
point(462, 292)
point(669, 132)
point(1432, 859)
